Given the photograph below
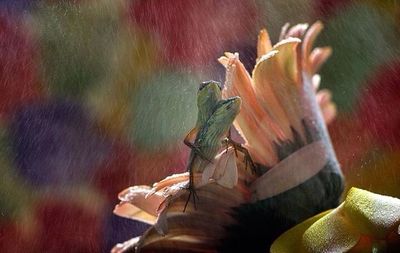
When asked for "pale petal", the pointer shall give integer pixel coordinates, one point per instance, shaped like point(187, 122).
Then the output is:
point(224, 61)
point(283, 33)
point(169, 181)
point(286, 175)
point(123, 247)
point(138, 197)
point(297, 31)
point(316, 81)
point(308, 43)
point(318, 57)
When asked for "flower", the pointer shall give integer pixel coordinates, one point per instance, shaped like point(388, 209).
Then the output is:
point(199, 227)
point(364, 222)
point(272, 99)
point(295, 174)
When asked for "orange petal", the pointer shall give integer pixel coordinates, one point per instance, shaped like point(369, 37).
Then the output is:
point(258, 137)
point(127, 210)
point(275, 78)
point(263, 44)
point(252, 115)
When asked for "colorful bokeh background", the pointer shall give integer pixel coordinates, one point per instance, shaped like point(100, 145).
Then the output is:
point(97, 95)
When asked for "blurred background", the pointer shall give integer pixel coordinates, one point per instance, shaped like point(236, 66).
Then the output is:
point(97, 95)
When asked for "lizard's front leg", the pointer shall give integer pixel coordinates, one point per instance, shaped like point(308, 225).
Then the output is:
point(239, 147)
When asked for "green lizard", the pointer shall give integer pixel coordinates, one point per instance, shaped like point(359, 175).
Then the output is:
point(208, 96)
point(214, 121)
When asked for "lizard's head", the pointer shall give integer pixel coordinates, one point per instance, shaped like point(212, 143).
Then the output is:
point(226, 110)
point(213, 85)
point(208, 96)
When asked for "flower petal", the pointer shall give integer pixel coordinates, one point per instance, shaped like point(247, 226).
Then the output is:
point(286, 174)
point(275, 80)
point(137, 196)
point(127, 210)
point(307, 45)
point(197, 229)
point(290, 241)
point(252, 122)
point(317, 57)
point(296, 31)
point(332, 233)
point(372, 213)
point(264, 43)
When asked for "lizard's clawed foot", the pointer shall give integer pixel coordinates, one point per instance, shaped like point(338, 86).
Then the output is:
point(192, 191)
point(238, 147)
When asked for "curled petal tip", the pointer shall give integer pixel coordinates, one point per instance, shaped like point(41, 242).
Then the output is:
point(231, 55)
point(224, 61)
point(267, 56)
point(297, 31)
point(284, 31)
point(317, 57)
point(310, 37)
point(290, 40)
point(264, 43)
point(319, 24)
